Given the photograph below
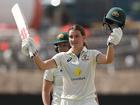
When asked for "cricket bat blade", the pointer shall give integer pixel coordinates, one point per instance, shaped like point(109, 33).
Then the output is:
point(20, 21)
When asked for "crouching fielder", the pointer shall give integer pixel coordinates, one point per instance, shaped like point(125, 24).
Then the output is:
point(78, 64)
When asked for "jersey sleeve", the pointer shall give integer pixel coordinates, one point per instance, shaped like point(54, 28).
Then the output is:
point(58, 58)
point(95, 53)
point(48, 75)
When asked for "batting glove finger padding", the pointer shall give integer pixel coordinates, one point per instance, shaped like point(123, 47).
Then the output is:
point(115, 36)
point(28, 47)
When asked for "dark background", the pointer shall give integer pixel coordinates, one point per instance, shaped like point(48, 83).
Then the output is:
point(25, 99)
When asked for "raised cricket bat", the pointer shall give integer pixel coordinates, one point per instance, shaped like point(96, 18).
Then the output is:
point(20, 22)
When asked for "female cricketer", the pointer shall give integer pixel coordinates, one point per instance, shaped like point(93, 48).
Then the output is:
point(52, 82)
point(79, 63)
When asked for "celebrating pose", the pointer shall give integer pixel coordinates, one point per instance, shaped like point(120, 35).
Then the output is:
point(78, 64)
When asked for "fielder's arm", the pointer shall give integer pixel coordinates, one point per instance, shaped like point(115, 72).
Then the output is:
point(46, 92)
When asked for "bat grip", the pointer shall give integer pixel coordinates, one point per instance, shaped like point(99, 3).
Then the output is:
point(31, 54)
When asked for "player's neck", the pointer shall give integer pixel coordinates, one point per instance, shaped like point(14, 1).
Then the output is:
point(76, 51)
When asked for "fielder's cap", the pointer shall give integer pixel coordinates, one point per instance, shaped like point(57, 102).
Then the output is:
point(62, 37)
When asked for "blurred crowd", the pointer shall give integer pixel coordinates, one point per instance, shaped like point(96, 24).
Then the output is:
point(59, 19)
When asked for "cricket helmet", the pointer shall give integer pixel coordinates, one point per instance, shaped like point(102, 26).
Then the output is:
point(62, 37)
point(116, 16)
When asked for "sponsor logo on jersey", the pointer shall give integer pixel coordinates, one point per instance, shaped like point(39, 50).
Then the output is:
point(69, 59)
point(77, 71)
point(61, 70)
point(85, 57)
point(79, 78)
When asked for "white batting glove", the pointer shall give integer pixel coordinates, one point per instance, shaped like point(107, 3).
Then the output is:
point(28, 47)
point(115, 36)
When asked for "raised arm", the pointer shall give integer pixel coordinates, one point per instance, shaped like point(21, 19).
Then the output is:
point(108, 57)
point(43, 65)
point(113, 39)
point(29, 49)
